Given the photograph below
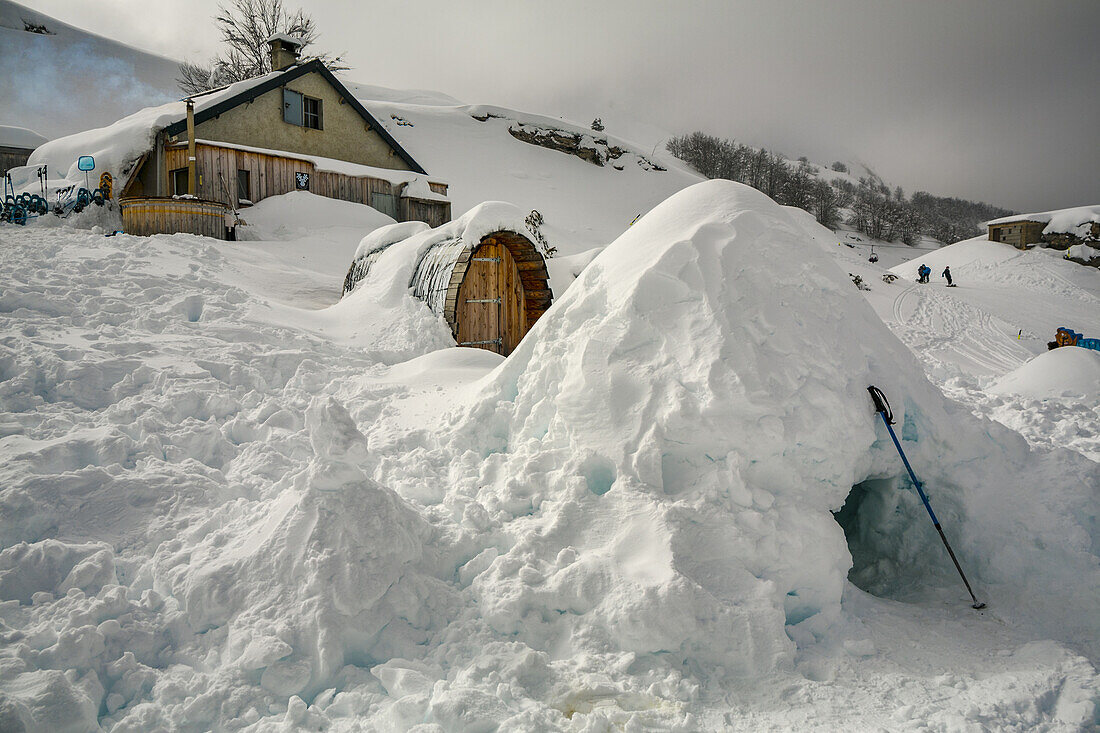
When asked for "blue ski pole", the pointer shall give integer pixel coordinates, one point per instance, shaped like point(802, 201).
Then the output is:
point(882, 407)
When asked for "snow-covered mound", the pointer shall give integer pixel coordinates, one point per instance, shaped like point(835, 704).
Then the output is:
point(296, 214)
point(428, 98)
point(1064, 372)
point(659, 460)
point(978, 252)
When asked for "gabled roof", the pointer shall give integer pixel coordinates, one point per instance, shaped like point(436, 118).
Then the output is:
point(278, 79)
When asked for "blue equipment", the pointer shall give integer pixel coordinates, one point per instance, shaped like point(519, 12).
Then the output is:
point(882, 407)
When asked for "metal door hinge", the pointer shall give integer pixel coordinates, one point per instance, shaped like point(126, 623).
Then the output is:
point(485, 259)
point(496, 341)
point(483, 300)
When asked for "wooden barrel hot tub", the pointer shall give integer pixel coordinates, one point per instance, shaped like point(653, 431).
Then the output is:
point(147, 216)
point(490, 291)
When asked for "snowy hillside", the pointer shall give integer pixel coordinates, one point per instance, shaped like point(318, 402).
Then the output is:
point(585, 205)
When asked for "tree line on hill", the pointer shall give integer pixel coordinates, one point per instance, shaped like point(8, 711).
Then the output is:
point(871, 206)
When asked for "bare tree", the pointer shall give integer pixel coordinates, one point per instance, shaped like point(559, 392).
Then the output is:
point(245, 26)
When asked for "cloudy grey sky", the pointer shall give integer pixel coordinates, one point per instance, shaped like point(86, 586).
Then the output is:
point(997, 100)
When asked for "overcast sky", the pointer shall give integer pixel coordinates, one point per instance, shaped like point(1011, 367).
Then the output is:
point(997, 100)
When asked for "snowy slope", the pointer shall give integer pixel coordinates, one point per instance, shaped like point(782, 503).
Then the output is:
point(1005, 309)
point(584, 205)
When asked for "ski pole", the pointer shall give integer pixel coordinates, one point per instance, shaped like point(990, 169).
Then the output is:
point(882, 407)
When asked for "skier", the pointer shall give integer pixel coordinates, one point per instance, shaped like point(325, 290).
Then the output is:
point(947, 274)
point(924, 271)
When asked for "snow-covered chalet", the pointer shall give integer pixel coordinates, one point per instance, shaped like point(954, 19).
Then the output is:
point(196, 165)
point(1058, 229)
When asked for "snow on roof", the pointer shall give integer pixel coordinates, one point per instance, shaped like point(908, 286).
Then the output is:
point(117, 146)
point(20, 137)
point(285, 38)
point(1059, 220)
point(418, 188)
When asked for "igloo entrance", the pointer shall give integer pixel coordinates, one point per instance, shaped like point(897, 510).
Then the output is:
point(889, 537)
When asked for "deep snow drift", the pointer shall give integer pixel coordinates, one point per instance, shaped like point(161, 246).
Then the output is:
point(216, 515)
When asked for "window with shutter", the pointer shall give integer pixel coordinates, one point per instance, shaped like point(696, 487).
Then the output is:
point(292, 107)
point(311, 113)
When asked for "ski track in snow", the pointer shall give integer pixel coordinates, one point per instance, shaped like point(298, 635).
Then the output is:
point(173, 513)
point(964, 346)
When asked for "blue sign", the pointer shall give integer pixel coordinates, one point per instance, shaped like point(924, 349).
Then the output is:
point(85, 163)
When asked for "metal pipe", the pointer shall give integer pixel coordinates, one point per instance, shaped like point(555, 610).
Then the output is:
point(191, 180)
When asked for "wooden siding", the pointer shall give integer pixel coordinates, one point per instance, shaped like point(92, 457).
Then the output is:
point(435, 213)
point(272, 175)
point(13, 157)
point(145, 217)
point(217, 167)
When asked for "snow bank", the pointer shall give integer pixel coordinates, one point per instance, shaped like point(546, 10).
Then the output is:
point(294, 215)
point(979, 252)
point(1064, 372)
point(683, 455)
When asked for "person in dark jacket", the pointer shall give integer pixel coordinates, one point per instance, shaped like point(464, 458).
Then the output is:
point(947, 274)
point(923, 271)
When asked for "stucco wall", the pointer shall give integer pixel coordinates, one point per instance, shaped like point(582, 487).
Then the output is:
point(344, 136)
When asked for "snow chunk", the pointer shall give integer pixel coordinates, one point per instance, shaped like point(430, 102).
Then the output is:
point(285, 38)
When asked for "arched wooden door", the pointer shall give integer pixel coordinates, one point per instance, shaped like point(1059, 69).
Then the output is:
point(491, 308)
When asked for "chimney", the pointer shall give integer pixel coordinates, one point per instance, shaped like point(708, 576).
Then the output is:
point(284, 51)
